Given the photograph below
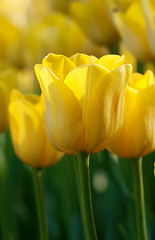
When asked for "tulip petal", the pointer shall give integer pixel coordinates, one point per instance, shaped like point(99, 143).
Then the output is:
point(16, 95)
point(137, 137)
point(63, 113)
point(58, 64)
point(149, 13)
point(143, 113)
point(50, 155)
point(140, 81)
point(104, 116)
point(81, 59)
point(82, 80)
point(110, 62)
point(48, 77)
point(37, 69)
point(24, 121)
point(123, 144)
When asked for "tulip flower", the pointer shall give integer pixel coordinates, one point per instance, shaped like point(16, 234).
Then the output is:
point(27, 81)
point(9, 40)
point(84, 100)
point(31, 144)
point(22, 11)
point(28, 132)
point(90, 17)
point(149, 14)
point(50, 34)
point(7, 82)
point(137, 137)
point(131, 26)
point(84, 109)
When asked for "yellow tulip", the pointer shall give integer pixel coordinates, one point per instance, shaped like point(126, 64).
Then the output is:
point(84, 100)
point(137, 137)
point(9, 40)
point(27, 81)
point(149, 13)
point(8, 79)
point(131, 27)
point(20, 12)
point(90, 17)
point(28, 132)
point(50, 35)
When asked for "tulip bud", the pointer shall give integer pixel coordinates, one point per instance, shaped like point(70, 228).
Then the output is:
point(137, 137)
point(28, 133)
point(131, 27)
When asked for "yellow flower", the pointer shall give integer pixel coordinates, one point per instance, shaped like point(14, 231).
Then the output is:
point(20, 12)
point(50, 35)
point(84, 100)
point(131, 27)
point(27, 81)
point(7, 82)
point(149, 14)
point(28, 132)
point(90, 17)
point(137, 137)
point(9, 40)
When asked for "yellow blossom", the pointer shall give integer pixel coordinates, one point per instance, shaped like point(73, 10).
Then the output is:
point(137, 137)
point(89, 15)
point(149, 14)
point(26, 81)
point(28, 132)
point(50, 35)
point(8, 81)
point(84, 100)
point(20, 12)
point(131, 26)
point(9, 41)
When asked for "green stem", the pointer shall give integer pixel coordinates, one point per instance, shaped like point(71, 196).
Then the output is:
point(5, 225)
point(8, 230)
point(139, 198)
point(85, 196)
point(114, 48)
point(37, 173)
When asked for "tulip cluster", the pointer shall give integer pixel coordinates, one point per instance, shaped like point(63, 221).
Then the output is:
point(93, 94)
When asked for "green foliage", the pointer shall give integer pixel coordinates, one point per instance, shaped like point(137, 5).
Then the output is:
point(112, 196)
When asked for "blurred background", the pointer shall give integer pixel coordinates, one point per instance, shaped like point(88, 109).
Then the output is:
point(29, 30)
